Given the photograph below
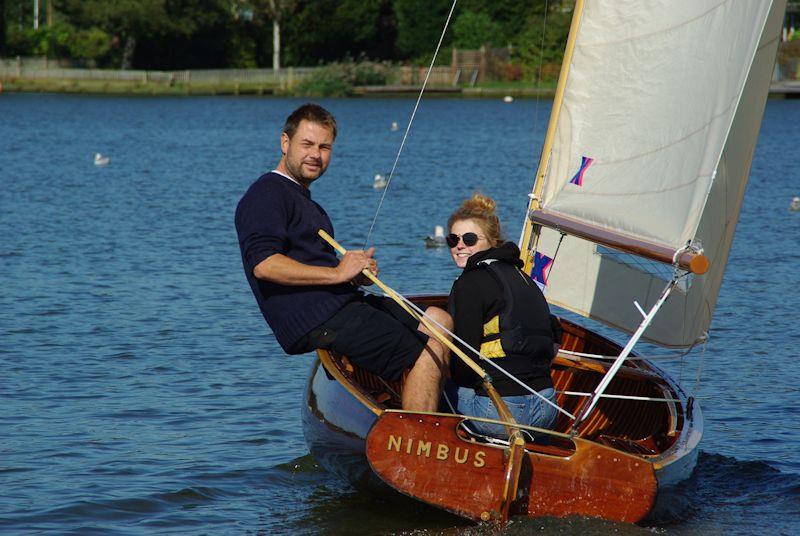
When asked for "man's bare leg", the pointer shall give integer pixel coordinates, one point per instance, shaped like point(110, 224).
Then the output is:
point(424, 382)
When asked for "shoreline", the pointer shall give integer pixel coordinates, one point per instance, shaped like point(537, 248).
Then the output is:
point(138, 88)
point(789, 89)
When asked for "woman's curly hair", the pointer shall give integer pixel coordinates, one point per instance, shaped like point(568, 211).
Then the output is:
point(480, 209)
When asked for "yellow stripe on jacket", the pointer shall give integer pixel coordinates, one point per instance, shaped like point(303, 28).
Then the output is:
point(492, 348)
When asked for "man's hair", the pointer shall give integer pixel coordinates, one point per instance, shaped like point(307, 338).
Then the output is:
point(310, 112)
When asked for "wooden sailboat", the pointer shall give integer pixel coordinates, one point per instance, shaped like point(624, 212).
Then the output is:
point(645, 162)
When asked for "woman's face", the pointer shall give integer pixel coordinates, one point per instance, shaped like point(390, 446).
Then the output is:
point(461, 252)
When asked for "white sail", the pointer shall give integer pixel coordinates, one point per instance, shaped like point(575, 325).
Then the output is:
point(662, 106)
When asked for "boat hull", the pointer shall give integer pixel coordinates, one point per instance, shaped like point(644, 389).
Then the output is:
point(369, 446)
point(335, 425)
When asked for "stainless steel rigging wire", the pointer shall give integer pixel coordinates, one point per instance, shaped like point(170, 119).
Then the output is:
point(410, 121)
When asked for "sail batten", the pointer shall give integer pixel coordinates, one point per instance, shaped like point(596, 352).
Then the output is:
point(652, 141)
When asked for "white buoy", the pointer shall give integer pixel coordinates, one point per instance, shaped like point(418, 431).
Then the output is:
point(508, 98)
point(437, 240)
point(795, 204)
point(100, 160)
point(380, 182)
point(394, 126)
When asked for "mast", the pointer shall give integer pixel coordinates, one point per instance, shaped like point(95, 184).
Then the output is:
point(533, 204)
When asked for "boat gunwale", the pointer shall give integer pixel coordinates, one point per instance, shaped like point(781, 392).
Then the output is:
point(642, 370)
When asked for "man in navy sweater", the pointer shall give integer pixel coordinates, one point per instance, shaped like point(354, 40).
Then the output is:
point(308, 297)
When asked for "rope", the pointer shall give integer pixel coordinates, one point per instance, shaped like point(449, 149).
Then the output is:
point(568, 353)
point(408, 127)
point(696, 389)
point(536, 111)
point(555, 256)
point(541, 61)
point(622, 397)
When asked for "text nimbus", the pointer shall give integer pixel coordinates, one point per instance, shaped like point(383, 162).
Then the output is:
point(441, 451)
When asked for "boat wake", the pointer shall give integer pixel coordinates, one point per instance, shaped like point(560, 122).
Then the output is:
point(730, 493)
point(724, 494)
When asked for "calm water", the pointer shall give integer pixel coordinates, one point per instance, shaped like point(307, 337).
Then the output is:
point(140, 391)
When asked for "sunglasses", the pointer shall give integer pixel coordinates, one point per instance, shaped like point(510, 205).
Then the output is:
point(470, 239)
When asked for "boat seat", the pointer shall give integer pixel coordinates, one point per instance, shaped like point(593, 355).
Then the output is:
point(385, 393)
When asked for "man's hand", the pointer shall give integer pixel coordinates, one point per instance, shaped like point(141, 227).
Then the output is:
point(349, 268)
point(363, 280)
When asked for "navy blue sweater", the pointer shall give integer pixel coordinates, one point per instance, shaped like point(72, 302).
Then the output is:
point(277, 215)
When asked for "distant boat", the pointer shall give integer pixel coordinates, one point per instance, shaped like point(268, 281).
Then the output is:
point(394, 126)
point(100, 160)
point(795, 204)
point(508, 98)
point(380, 182)
point(437, 240)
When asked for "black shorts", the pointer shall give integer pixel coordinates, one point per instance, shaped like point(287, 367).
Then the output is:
point(375, 333)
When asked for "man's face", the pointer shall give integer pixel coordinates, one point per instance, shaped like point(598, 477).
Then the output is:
point(307, 154)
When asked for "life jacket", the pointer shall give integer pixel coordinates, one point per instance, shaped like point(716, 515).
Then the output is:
point(521, 331)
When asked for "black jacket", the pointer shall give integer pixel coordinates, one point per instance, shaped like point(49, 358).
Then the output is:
point(478, 296)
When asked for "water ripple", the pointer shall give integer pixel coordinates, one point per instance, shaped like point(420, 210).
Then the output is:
point(142, 392)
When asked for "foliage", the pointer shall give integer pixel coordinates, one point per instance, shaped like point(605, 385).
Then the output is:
point(338, 79)
point(61, 40)
point(181, 34)
point(511, 16)
point(2, 28)
point(330, 81)
point(342, 29)
point(540, 55)
point(789, 59)
point(473, 30)
point(419, 25)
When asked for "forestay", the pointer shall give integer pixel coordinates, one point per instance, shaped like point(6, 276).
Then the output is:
point(653, 140)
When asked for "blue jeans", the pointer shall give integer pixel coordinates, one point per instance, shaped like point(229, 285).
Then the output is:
point(526, 409)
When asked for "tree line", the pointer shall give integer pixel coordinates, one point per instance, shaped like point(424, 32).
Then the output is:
point(196, 34)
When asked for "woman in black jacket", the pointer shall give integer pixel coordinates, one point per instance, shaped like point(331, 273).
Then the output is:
point(498, 310)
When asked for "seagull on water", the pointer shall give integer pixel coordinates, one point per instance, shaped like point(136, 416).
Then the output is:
point(380, 182)
point(437, 240)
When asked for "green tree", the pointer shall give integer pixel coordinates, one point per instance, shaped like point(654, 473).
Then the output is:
point(278, 10)
point(341, 29)
point(419, 25)
point(91, 44)
point(540, 47)
point(263, 13)
point(472, 30)
point(511, 16)
point(157, 34)
point(196, 34)
point(127, 21)
point(2, 28)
